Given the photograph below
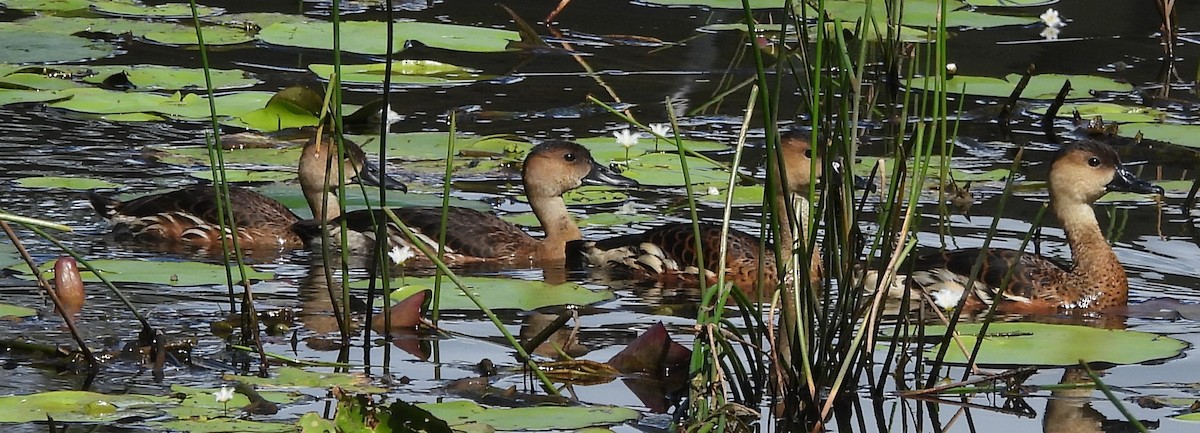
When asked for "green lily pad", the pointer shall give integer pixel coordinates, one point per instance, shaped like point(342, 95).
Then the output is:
point(1194, 417)
point(47, 5)
point(1110, 112)
point(367, 37)
point(605, 148)
point(1183, 135)
point(1059, 345)
point(255, 20)
point(1010, 3)
point(9, 257)
point(291, 377)
point(27, 81)
point(664, 169)
point(529, 418)
point(261, 157)
point(157, 31)
point(236, 175)
point(47, 47)
point(405, 73)
point(503, 293)
point(590, 195)
point(168, 273)
point(76, 183)
point(431, 146)
point(127, 117)
point(924, 13)
point(1045, 86)
point(133, 9)
point(200, 402)
point(155, 77)
point(188, 106)
point(24, 96)
point(9, 310)
point(77, 406)
point(225, 425)
point(293, 198)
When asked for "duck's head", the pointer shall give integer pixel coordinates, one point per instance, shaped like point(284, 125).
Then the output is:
point(798, 156)
point(1083, 172)
point(318, 162)
point(557, 166)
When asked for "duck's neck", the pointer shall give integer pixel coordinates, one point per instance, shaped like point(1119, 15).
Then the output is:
point(1095, 265)
point(318, 200)
point(560, 228)
point(799, 238)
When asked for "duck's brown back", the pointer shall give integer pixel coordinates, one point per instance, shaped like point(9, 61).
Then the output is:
point(190, 215)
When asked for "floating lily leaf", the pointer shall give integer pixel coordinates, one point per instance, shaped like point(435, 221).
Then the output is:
point(504, 293)
point(291, 377)
point(24, 96)
point(9, 257)
point(1194, 417)
point(906, 34)
point(993, 175)
point(47, 47)
point(76, 183)
point(1183, 135)
point(313, 423)
point(125, 8)
point(749, 195)
point(590, 194)
point(199, 402)
point(1047, 344)
point(367, 37)
point(47, 5)
point(529, 418)
point(1045, 86)
point(196, 155)
point(924, 13)
point(189, 106)
point(26, 81)
point(605, 148)
point(128, 117)
point(77, 406)
point(417, 146)
point(158, 31)
point(277, 115)
point(168, 273)
point(225, 425)
point(235, 175)
point(293, 198)
point(155, 77)
point(9, 310)
point(664, 169)
point(253, 20)
point(405, 73)
point(721, 4)
point(1110, 112)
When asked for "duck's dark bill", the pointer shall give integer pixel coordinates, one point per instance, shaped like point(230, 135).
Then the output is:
point(1126, 181)
point(601, 175)
point(373, 176)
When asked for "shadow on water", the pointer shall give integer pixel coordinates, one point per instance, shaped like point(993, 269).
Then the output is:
point(1158, 249)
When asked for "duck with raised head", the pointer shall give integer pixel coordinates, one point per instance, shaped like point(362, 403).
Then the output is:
point(188, 217)
point(667, 254)
point(1080, 174)
point(551, 169)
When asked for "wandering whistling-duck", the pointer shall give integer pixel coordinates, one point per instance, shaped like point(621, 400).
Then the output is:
point(1079, 175)
point(550, 170)
point(188, 217)
point(667, 253)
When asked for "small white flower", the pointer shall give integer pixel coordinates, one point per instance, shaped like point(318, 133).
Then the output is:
point(1049, 33)
point(390, 117)
point(946, 299)
point(712, 190)
point(660, 129)
point(1051, 19)
point(626, 209)
point(401, 254)
point(224, 394)
point(626, 138)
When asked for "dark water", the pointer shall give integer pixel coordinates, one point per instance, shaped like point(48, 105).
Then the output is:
point(36, 140)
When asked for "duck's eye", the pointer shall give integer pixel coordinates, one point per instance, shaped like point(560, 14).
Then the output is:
point(808, 153)
point(1094, 161)
point(570, 157)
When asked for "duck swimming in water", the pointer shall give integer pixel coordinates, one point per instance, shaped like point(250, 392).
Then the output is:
point(1080, 174)
point(188, 217)
point(550, 170)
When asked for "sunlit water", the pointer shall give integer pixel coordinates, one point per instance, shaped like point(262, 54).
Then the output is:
point(35, 140)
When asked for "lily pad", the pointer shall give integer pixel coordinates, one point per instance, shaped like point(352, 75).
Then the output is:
point(1059, 345)
point(503, 293)
point(47, 5)
point(1176, 133)
point(9, 310)
point(27, 81)
point(291, 377)
point(225, 425)
point(605, 148)
point(132, 9)
point(236, 175)
point(77, 406)
point(529, 418)
point(200, 402)
point(157, 31)
point(664, 169)
point(76, 183)
point(155, 77)
point(1010, 3)
point(405, 73)
point(188, 106)
point(24, 96)
point(46, 47)
point(293, 198)
point(167, 273)
point(367, 37)
point(1110, 112)
point(749, 195)
point(1045, 86)
point(924, 13)
point(417, 146)
point(590, 195)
